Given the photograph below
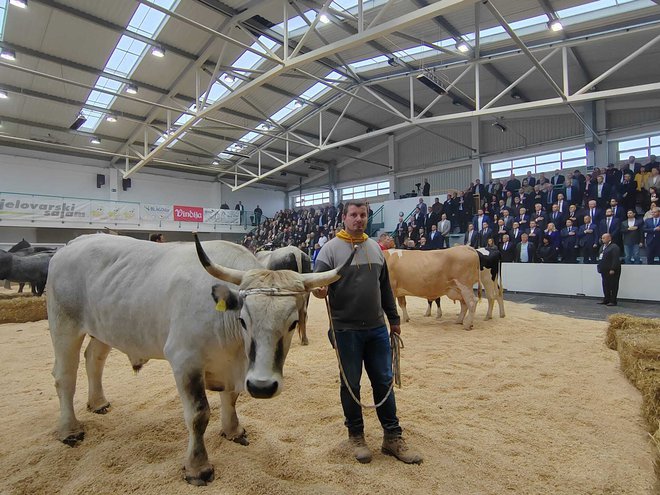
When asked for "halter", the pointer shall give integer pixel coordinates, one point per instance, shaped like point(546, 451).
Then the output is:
point(270, 291)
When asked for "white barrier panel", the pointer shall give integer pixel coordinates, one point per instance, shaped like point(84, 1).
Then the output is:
point(637, 281)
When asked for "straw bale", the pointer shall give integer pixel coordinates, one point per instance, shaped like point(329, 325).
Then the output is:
point(621, 324)
point(21, 308)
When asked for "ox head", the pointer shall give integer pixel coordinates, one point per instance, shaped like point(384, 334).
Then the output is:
point(268, 304)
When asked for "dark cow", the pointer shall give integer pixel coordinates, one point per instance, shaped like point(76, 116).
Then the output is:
point(290, 258)
point(32, 269)
point(22, 249)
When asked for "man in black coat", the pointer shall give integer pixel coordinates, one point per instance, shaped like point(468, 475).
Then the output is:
point(601, 192)
point(471, 237)
point(609, 267)
point(569, 243)
point(588, 240)
point(426, 188)
point(507, 249)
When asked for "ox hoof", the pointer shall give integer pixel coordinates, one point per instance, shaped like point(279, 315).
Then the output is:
point(74, 439)
point(104, 409)
point(305, 342)
point(240, 439)
point(204, 477)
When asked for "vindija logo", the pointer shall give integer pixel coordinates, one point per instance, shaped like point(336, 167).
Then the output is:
point(188, 214)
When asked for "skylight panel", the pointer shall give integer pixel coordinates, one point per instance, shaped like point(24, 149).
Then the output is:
point(3, 16)
point(584, 8)
point(532, 21)
point(147, 21)
point(295, 23)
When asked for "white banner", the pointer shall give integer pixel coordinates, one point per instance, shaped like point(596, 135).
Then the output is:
point(26, 207)
point(155, 212)
point(219, 216)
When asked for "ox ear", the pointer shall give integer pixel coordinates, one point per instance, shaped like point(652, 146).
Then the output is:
point(225, 298)
point(220, 272)
point(313, 280)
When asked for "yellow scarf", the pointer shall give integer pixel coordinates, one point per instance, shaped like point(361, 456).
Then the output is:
point(345, 236)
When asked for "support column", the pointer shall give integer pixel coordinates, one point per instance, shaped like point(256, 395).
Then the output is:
point(477, 171)
point(332, 183)
point(393, 163)
point(595, 116)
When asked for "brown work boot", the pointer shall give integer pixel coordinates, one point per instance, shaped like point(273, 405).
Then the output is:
point(396, 446)
point(360, 449)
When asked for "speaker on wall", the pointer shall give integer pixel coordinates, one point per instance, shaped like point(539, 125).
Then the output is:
point(100, 180)
point(125, 184)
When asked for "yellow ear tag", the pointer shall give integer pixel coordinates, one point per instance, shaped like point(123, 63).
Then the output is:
point(221, 306)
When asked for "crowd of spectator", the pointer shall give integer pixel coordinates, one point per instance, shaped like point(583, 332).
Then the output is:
point(529, 219)
point(546, 219)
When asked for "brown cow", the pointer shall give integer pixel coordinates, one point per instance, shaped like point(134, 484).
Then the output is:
point(432, 274)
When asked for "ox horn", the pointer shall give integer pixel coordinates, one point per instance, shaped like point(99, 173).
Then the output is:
point(314, 280)
point(226, 274)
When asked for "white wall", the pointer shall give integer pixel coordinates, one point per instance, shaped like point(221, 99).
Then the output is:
point(573, 279)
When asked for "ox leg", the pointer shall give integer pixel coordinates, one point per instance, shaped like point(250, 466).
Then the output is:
point(65, 370)
point(231, 428)
point(95, 356)
point(438, 314)
point(500, 301)
point(196, 412)
point(468, 297)
point(402, 305)
point(302, 323)
point(428, 309)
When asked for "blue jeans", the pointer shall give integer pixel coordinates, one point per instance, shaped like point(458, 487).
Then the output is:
point(631, 252)
point(373, 348)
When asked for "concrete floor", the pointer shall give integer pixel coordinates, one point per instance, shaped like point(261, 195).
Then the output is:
point(584, 308)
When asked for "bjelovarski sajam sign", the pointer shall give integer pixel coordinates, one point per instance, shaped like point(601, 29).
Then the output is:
point(188, 213)
point(22, 207)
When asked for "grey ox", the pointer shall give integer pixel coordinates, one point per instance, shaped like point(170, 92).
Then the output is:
point(156, 301)
point(290, 258)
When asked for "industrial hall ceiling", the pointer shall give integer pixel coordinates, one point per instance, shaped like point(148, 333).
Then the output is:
point(273, 93)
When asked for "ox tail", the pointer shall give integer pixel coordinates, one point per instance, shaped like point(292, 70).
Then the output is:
point(499, 275)
point(299, 260)
point(479, 286)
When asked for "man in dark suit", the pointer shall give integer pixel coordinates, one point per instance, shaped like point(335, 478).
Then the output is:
point(588, 240)
point(556, 217)
point(569, 243)
point(558, 181)
point(628, 192)
point(525, 251)
point(401, 224)
point(515, 234)
point(610, 225)
point(507, 249)
point(601, 191)
point(631, 230)
point(479, 219)
point(531, 180)
point(507, 219)
point(484, 234)
point(534, 233)
point(595, 214)
point(426, 188)
point(435, 240)
point(609, 267)
point(539, 215)
point(652, 231)
point(512, 185)
point(471, 237)
point(617, 211)
point(523, 218)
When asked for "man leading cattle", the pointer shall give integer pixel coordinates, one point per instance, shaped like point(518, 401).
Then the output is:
point(357, 306)
point(155, 301)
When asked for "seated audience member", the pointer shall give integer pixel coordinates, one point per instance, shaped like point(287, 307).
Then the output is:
point(516, 233)
point(435, 239)
point(507, 248)
point(535, 233)
point(525, 250)
point(484, 234)
point(588, 240)
point(158, 237)
point(471, 236)
point(444, 227)
point(631, 230)
point(569, 243)
point(546, 253)
point(652, 232)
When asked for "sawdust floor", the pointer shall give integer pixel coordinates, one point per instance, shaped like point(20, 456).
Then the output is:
point(528, 404)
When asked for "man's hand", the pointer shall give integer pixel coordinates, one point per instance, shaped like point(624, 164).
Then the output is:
point(320, 292)
point(395, 329)
point(611, 272)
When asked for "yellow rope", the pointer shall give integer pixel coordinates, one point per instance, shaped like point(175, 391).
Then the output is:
point(396, 344)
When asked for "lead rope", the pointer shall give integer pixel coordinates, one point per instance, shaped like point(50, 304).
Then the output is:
point(396, 344)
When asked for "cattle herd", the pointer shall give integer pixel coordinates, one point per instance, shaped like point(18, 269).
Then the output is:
point(220, 315)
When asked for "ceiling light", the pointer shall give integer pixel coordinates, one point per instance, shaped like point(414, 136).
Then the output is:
point(429, 80)
point(131, 89)
point(8, 54)
point(456, 102)
point(265, 126)
point(228, 78)
point(19, 3)
point(462, 47)
point(215, 162)
point(158, 51)
point(555, 25)
point(3, 95)
point(297, 104)
point(95, 140)
point(324, 18)
point(111, 118)
point(80, 120)
point(499, 126)
point(515, 95)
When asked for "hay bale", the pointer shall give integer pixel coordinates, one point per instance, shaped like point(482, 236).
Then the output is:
point(620, 324)
point(20, 308)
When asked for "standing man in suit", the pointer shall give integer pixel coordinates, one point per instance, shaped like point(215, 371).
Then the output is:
point(479, 219)
point(631, 230)
point(470, 238)
point(617, 211)
point(601, 192)
point(652, 231)
point(435, 240)
point(588, 240)
point(609, 267)
point(558, 181)
point(484, 234)
point(512, 185)
point(426, 188)
point(556, 217)
point(525, 251)
point(515, 234)
point(444, 226)
point(595, 213)
point(531, 180)
point(569, 243)
point(507, 249)
point(610, 225)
